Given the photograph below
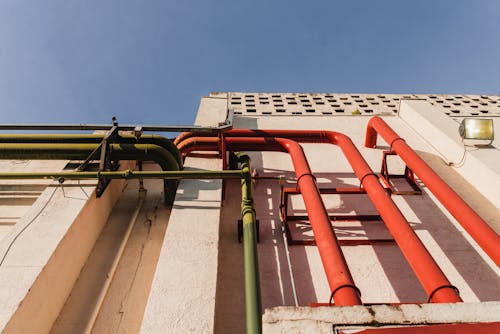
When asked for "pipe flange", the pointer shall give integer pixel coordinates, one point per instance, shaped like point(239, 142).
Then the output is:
point(429, 300)
point(395, 140)
point(341, 287)
point(363, 178)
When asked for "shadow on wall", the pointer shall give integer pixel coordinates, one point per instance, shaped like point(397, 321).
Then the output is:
point(456, 253)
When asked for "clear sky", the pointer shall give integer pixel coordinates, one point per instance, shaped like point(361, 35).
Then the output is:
point(149, 61)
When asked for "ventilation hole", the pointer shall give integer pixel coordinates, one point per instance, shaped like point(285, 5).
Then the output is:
point(494, 102)
point(237, 112)
point(458, 97)
point(348, 103)
point(456, 103)
point(394, 110)
point(264, 102)
point(235, 102)
point(320, 103)
point(332, 100)
point(381, 96)
point(290, 98)
point(266, 113)
point(406, 96)
point(343, 98)
point(433, 97)
point(280, 110)
point(310, 110)
point(278, 105)
point(335, 105)
point(249, 95)
point(250, 104)
point(447, 113)
point(251, 110)
point(339, 110)
point(316, 98)
point(375, 103)
point(475, 99)
point(368, 110)
point(355, 96)
point(474, 113)
point(455, 111)
point(302, 95)
point(304, 100)
point(370, 98)
point(296, 113)
point(307, 105)
point(439, 101)
point(446, 106)
point(475, 107)
point(484, 104)
point(449, 99)
point(363, 105)
point(276, 95)
point(326, 112)
point(359, 101)
point(236, 97)
point(391, 105)
point(328, 96)
point(465, 101)
point(292, 102)
point(395, 99)
point(484, 111)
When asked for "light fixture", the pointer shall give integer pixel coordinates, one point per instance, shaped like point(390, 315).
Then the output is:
point(476, 128)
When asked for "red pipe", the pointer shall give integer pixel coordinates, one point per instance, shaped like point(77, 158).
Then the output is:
point(433, 280)
point(339, 278)
point(477, 228)
point(430, 275)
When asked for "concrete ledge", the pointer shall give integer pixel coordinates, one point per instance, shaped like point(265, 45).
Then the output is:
point(45, 261)
point(321, 319)
point(480, 167)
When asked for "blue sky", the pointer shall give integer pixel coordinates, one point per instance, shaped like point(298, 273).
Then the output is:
point(150, 61)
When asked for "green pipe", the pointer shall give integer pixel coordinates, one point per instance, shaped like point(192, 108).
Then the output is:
point(250, 257)
point(92, 139)
point(127, 174)
point(30, 151)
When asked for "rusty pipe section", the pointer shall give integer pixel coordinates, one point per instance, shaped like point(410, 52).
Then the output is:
point(431, 277)
point(477, 228)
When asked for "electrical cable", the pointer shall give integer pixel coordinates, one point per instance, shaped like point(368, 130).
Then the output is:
point(27, 225)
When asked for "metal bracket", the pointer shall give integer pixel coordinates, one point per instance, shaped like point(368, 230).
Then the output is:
point(408, 175)
point(105, 163)
point(286, 218)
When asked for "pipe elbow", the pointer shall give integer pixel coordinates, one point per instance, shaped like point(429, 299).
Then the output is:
point(371, 132)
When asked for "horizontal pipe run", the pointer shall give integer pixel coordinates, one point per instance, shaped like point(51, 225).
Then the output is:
point(227, 125)
point(126, 174)
point(426, 269)
point(92, 139)
point(477, 228)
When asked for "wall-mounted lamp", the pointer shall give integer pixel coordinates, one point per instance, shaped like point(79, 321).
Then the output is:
point(477, 128)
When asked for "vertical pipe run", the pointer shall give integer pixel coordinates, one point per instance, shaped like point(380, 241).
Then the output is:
point(250, 257)
point(477, 228)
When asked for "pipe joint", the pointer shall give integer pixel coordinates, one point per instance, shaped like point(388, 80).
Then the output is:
point(350, 286)
point(439, 288)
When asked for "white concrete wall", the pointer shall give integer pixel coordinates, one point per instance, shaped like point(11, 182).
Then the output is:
point(480, 166)
point(46, 250)
point(183, 294)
